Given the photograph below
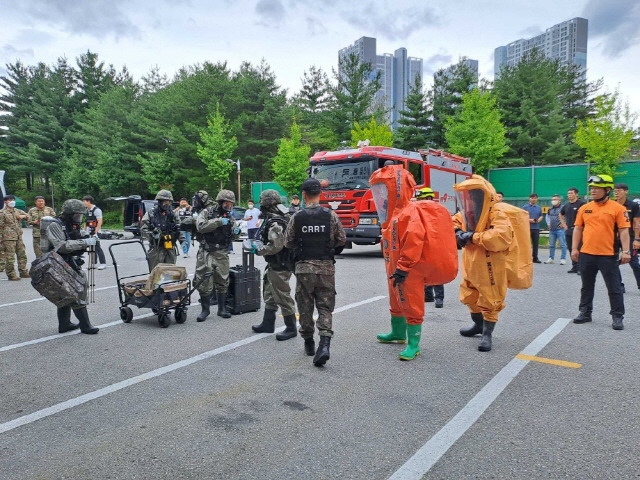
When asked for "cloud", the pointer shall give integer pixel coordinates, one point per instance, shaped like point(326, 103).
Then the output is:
point(99, 19)
point(315, 26)
point(271, 12)
point(435, 62)
point(617, 22)
point(9, 51)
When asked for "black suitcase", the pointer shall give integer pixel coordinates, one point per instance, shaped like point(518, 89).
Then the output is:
point(244, 287)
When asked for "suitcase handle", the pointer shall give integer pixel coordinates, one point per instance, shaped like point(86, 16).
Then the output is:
point(247, 260)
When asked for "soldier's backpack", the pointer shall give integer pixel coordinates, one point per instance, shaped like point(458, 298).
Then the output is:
point(55, 280)
point(519, 262)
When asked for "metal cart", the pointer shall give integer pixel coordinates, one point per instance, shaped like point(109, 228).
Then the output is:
point(166, 296)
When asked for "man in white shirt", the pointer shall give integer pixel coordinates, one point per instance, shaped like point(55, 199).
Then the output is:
point(252, 218)
point(93, 226)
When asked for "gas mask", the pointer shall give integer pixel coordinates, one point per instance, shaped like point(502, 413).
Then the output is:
point(166, 207)
point(74, 226)
point(224, 209)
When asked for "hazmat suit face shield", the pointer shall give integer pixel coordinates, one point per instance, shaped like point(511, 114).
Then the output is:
point(381, 199)
point(471, 204)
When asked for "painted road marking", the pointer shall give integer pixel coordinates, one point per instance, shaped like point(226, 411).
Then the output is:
point(82, 399)
point(550, 361)
point(427, 456)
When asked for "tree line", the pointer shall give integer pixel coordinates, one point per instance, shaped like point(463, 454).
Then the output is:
point(85, 128)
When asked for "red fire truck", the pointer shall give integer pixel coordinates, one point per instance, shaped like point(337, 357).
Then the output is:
point(344, 177)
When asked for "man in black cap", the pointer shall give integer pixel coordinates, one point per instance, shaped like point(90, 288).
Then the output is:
point(295, 205)
point(314, 233)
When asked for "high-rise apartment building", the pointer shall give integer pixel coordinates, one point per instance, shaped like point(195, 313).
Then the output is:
point(397, 71)
point(566, 41)
point(447, 73)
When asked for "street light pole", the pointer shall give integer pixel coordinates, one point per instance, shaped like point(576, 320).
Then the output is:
point(237, 164)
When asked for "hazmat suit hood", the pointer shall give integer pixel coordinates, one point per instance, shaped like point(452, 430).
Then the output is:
point(392, 188)
point(475, 198)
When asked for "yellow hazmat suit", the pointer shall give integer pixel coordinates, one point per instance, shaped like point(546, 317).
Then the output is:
point(486, 234)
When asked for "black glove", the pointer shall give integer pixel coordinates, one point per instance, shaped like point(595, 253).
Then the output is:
point(399, 277)
point(462, 238)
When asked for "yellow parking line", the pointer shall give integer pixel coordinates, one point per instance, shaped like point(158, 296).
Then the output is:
point(550, 361)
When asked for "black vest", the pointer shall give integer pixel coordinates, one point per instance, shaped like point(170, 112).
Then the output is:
point(283, 260)
point(220, 238)
point(313, 234)
point(163, 221)
point(91, 215)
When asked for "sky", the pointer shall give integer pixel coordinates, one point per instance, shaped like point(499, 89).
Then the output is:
point(292, 35)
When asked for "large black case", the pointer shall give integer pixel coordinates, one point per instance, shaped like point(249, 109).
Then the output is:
point(244, 286)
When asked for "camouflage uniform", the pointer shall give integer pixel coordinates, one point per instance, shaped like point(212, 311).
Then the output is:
point(276, 290)
point(34, 217)
point(157, 252)
point(11, 232)
point(211, 260)
point(315, 284)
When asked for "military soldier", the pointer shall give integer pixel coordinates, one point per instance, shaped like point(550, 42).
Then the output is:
point(66, 234)
point(216, 230)
point(11, 232)
point(270, 244)
point(295, 204)
point(35, 214)
point(315, 233)
point(161, 227)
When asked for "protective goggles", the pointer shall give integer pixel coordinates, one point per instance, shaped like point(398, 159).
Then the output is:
point(598, 181)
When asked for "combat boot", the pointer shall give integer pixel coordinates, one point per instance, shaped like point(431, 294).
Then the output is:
point(222, 306)
point(477, 326)
point(413, 343)
point(24, 274)
point(206, 309)
point(398, 332)
point(322, 355)
point(268, 322)
point(85, 325)
point(290, 331)
point(583, 317)
point(64, 320)
point(617, 322)
point(309, 346)
point(485, 341)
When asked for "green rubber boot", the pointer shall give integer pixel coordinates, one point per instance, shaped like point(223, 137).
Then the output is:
point(398, 331)
point(413, 347)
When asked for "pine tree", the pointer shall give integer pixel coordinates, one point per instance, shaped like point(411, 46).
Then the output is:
point(414, 121)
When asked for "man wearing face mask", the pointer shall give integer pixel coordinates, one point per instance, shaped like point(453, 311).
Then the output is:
point(65, 234)
point(161, 227)
point(11, 234)
point(216, 230)
point(556, 230)
point(276, 290)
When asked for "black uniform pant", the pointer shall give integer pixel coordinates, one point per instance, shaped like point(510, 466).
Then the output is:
point(100, 253)
point(607, 265)
point(535, 240)
point(435, 291)
point(635, 266)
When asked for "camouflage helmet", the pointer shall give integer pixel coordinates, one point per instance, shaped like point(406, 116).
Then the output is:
point(73, 207)
point(226, 196)
point(164, 195)
point(269, 198)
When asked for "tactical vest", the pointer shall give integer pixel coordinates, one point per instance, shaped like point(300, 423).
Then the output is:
point(313, 234)
point(220, 238)
point(283, 260)
point(91, 215)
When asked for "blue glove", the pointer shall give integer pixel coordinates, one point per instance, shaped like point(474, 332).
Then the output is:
point(225, 221)
point(90, 242)
point(399, 276)
point(236, 231)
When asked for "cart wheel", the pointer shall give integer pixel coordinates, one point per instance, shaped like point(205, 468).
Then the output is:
point(126, 314)
point(164, 320)
point(181, 315)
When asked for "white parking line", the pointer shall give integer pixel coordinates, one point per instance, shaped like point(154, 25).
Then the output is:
point(39, 299)
point(427, 456)
point(82, 399)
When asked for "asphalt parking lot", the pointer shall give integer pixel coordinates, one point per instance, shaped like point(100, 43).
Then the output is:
point(214, 400)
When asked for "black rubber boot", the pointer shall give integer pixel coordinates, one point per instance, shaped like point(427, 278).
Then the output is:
point(322, 355)
point(477, 326)
point(268, 322)
point(290, 331)
point(485, 342)
point(222, 306)
point(206, 309)
point(309, 346)
point(439, 303)
point(85, 325)
point(583, 317)
point(617, 323)
point(214, 299)
point(64, 320)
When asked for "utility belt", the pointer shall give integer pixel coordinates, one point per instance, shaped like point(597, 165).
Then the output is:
point(213, 247)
